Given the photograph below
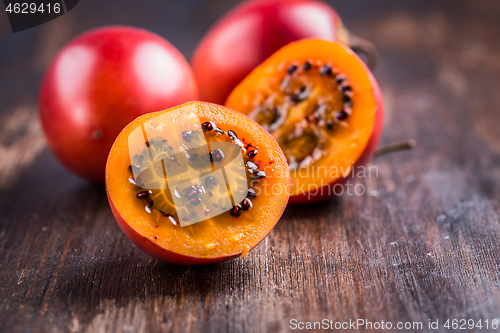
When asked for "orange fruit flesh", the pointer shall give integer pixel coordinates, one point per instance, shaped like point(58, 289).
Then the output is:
point(316, 99)
point(153, 148)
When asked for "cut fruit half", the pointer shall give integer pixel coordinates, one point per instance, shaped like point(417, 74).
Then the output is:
point(324, 108)
point(196, 184)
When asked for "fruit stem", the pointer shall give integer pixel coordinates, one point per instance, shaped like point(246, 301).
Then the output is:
point(361, 45)
point(392, 147)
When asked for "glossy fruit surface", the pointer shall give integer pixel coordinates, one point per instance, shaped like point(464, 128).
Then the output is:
point(101, 81)
point(324, 108)
point(252, 32)
point(196, 184)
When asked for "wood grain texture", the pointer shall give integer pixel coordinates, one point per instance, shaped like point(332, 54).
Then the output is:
point(422, 243)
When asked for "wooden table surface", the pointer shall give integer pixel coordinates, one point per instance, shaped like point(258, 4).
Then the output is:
point(422, 244)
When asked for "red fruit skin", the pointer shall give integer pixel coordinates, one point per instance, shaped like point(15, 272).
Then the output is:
point(251, 33)
point(160, 253)
point(101, 81)
point(147, 246)
point(326, 191)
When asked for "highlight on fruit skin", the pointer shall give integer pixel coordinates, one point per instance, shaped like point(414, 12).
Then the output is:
point(196, 184)
point(323, 106)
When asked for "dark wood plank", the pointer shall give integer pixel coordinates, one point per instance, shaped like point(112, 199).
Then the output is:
point(422, 243)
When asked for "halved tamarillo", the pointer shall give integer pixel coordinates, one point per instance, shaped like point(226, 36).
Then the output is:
point(196, 184)
point(323, 106)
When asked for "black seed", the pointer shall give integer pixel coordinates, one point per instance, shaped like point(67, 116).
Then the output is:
point(210, 182)
point(246, 204)
point(301, 95)
point(303, 92)
point(232, 135)
point(347, 101)
point(345, 88)
point(144, 194)
point(216, 155)
point(195, 201)
point(191, 192)
point(291, 69)
point(208, 126)
point(252, 153)
point(306, 66)
point(187, 136)
point(248, 146)
point(329, 125)
point(251, 193)
point(149, 202)
point(171, 218)
point(156, 237)
point(341, 115)
point(325, 70)
point(259, 174)
point(236, 210)
point(339, 79)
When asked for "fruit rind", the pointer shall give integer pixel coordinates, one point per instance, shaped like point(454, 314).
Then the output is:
point(136, 226)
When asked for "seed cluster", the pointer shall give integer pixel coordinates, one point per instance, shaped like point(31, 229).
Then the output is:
point(195, 158)
point(324, 98)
